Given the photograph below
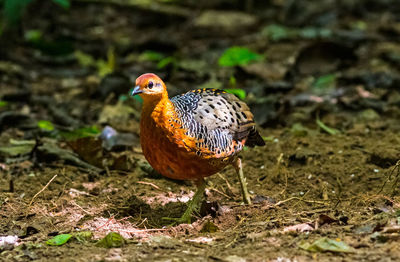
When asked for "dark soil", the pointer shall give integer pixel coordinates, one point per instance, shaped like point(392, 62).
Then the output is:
point(308, 182)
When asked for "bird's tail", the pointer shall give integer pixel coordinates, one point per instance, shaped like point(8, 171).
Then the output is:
point(254, 139)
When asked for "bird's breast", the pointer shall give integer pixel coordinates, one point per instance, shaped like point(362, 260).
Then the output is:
point(170, 151)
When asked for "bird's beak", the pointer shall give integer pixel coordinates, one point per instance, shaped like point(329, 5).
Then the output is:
point(136, 90)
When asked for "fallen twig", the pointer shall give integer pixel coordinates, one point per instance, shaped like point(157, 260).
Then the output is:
point(106, 223)
point(150, 184)
point(41, 190)
point(397, 165)
point(226, 181)
point(221, 193)
point(81, 208)
point(300, 199)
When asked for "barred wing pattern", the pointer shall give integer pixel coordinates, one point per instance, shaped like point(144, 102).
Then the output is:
point(219, 122)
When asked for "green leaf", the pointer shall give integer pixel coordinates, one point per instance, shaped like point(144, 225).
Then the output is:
point(103, 67)
point(166, 61)
point(329, 130)
point(3, 103)
point(237, 55)
point(84, 60)
point(59, 240)
point(325, 244)
point(106, 67)
point(113, 239)
point(325, 82)
point(83, 236)
point(237, 92)
point(150, 56)
point(45, 125)
point(63, 3)
point(33, 36)
point(80, 133)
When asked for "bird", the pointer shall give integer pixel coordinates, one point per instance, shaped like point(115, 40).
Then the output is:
point(194, 135)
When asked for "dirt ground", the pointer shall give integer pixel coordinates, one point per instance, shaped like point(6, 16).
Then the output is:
point(326, 99)
point(333, 184)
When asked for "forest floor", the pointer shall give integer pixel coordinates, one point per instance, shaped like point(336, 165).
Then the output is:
point(325, 187)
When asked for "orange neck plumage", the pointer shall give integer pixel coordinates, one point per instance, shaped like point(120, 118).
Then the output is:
point(157, 109)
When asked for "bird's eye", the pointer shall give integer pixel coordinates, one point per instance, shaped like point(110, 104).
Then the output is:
point(150, 85)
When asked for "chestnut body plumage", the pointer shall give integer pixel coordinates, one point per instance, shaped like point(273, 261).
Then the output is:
point(193, 135)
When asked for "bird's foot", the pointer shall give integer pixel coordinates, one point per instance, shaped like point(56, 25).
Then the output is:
point(186, 218)
point(192, 207)
point(178, 221)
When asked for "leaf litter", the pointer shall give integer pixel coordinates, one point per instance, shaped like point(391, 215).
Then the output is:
point(328, 191)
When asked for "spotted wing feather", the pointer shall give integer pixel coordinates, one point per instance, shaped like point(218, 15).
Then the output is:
point(219, 121)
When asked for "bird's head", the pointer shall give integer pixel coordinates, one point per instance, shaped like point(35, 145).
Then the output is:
point(150, 87)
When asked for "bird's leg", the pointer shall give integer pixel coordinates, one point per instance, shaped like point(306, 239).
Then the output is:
point(237, 164)
point(192, 206)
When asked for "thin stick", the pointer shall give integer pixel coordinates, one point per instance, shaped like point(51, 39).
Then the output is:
point(143, 230)
point(240, 222)
point(233, 241)
point(144, 220)
point(390, 176)
point(300, 199)
point(106, 223)
point(226, 181)
point(81, 208)
point(221, 193)
point(150, 184)
point(48, 183)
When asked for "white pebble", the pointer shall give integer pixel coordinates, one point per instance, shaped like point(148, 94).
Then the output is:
point(8, 242)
